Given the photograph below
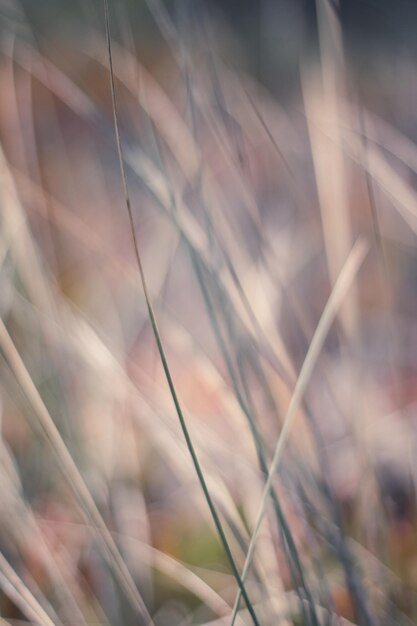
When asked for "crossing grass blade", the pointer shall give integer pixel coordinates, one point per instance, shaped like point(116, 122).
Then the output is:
point(339, 291)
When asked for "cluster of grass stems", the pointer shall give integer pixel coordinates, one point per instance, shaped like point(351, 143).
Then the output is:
point(252, 471)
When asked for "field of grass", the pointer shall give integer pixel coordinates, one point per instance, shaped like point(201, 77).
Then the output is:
point(208, 339)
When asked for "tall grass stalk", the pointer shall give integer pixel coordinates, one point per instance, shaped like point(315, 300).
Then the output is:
point(161, 350)
point(344, 281)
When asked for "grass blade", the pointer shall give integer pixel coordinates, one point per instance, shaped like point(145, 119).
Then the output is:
point(339, 291)
point(160, 347)
point(71, 472)
point(16, 590)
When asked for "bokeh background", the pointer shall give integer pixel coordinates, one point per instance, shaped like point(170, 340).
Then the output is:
point(270, 155)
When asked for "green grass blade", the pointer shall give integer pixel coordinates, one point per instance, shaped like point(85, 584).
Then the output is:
point(160, 347)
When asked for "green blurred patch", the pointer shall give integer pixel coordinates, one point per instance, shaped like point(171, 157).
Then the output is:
point(200, 546)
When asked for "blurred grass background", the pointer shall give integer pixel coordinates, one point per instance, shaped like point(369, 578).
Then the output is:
point(270, 158)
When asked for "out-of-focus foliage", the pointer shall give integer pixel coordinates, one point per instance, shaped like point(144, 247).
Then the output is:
point(270, 158)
